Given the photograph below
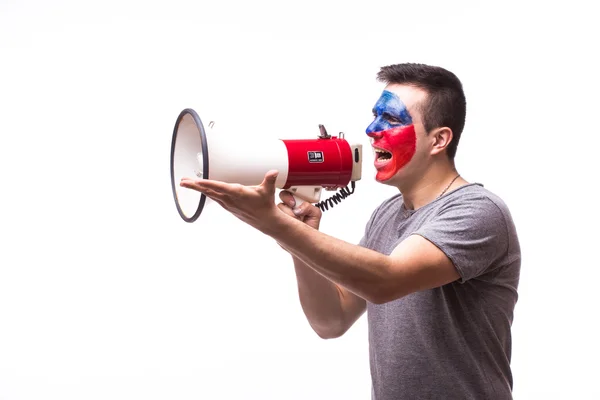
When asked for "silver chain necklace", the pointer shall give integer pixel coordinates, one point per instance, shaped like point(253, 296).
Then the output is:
point(448, 187)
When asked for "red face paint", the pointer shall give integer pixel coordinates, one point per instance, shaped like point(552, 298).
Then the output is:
point(400, 142)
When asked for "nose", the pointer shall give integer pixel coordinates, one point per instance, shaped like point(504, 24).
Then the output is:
point(373, 129)
point(375, 135)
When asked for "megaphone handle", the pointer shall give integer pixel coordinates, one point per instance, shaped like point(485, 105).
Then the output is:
point(305, 193)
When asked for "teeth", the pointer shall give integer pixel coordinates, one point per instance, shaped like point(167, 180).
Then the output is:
point(382, 155)
point(381, 151)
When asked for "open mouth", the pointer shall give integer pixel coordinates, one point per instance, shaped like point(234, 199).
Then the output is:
point(382, 155)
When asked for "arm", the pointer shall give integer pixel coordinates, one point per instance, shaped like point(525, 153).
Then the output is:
point(416, 264)
point(330, 309)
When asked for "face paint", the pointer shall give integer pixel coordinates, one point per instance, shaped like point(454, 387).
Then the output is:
point(389, 112)
point(393, 134)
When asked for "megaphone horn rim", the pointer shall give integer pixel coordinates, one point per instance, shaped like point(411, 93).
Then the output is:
point(205, 162)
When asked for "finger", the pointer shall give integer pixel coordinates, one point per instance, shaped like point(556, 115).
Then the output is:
point(286, 210)
point(192, 184)
point(306, 209)
point(214, 189)
point(204, 184)
point(287, 198)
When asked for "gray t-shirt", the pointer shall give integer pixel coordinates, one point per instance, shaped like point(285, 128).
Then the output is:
point(454, 341)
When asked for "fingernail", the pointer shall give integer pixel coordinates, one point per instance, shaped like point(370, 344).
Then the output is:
point(296, 211)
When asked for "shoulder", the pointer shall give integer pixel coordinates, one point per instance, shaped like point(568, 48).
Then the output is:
point(473, 227)
point(468, 212)
point(477, 209)
point(494, 209)
point(478, 197)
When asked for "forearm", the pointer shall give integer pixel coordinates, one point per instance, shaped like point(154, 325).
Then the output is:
point(321, 301)
point(362, 271)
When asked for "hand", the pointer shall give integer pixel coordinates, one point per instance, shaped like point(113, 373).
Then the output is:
point(255, 205)
point(305, 212)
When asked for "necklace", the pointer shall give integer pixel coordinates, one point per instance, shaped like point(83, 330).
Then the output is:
point(448, 187)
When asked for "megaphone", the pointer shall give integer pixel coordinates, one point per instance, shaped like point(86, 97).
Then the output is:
point(306, 166)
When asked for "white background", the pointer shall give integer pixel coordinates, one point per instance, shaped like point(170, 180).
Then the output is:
point(106, 294)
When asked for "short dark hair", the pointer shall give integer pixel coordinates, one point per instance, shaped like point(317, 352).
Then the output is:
point(445, 105)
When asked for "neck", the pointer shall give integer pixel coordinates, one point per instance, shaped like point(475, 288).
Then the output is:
point(438, 178)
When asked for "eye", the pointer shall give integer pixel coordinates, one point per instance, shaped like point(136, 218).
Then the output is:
point(391, 119)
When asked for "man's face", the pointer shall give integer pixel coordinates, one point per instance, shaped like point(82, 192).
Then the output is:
point(393, 130)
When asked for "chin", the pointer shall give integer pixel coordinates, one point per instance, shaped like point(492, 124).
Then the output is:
point(386, 172)
point(390, 175)
point(393, 181)
point(382, 178)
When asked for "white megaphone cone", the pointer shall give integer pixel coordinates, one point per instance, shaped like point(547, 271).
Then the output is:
point(305, 166)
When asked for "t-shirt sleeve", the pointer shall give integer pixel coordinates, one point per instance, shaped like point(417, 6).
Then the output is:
point(472, 233)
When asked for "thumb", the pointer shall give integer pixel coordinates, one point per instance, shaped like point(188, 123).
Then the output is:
point(269, 181)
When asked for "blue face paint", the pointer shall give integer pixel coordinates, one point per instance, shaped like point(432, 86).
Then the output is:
point(389, 112)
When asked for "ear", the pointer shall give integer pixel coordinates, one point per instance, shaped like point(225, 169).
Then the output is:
point(441, 138)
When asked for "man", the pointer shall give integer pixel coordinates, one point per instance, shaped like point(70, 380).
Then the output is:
point(438, 267)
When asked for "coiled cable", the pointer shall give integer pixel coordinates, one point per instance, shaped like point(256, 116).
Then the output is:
point(336, 198)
